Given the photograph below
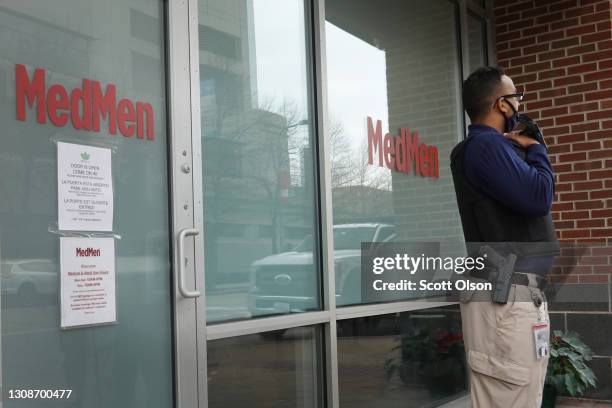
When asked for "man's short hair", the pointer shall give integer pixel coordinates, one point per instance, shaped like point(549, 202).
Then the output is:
point(480, 89)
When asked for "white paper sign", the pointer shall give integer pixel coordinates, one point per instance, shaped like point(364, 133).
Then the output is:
point(87, 267)
point(84, 188)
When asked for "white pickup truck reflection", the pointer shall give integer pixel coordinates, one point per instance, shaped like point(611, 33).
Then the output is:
point(287, 282)
point(30, 280)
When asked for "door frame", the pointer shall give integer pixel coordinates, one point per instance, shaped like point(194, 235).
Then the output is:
point(185, 161)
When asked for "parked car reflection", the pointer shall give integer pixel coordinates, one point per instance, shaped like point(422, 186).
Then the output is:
point(27, 282)
point(281, 283)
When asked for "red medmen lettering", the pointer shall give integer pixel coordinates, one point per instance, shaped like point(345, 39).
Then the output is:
point(104, 105)
point(141, 109)
point(34, 91)
point(86, 107)
point(412, 150)
point(57, 101)
point(401, 161)
point(81, 97)
point(375, 141)
point(434, 162)
point(126, 114)
point(389, 152)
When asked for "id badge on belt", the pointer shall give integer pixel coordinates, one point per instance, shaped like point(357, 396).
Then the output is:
point(541, 335)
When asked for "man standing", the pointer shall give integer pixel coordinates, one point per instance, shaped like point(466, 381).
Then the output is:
point(504, 184)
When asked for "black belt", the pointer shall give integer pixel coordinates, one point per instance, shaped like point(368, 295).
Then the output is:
point(516, 278)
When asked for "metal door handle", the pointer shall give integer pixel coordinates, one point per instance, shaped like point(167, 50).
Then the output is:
point(186, 293)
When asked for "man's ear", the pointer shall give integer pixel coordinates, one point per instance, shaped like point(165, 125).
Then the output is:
point(502, 105)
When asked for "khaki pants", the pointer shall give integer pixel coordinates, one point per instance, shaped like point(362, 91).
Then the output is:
point(500, 349)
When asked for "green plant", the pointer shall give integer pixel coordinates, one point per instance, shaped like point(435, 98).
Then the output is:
point(567, 370)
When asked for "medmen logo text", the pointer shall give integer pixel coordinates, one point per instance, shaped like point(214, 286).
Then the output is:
point(85, 107)
point(402, 153)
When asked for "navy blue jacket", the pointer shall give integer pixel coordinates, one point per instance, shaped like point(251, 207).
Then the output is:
point(526, 186)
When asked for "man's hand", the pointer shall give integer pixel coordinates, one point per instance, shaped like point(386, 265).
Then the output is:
point(522, 140)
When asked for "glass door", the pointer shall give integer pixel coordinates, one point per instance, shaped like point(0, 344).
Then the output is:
point(96, 206)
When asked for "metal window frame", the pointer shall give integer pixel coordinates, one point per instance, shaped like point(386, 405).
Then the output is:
point(193, 331)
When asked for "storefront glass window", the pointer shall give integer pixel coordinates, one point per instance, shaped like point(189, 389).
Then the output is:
point(70, 61)
point(391, 70)
point(272, 369)
point(477, 44)
point(411, 359)
point(257, 158)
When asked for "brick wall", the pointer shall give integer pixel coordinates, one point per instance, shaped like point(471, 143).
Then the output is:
point(560, 53)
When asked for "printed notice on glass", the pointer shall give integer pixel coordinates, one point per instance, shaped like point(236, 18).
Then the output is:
point(84, 188)
point(87, 267)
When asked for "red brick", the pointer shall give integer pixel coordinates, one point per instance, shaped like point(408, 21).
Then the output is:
point(596, 56)
point(548, 18)
point(601, 213)
point(520, 6)
point(607, 74)
point(605, 64)
point(604, 25)
point(538, 104)
point(606, 232)
point(515, 52)
point(577, 12)
point(522, 42)
point(588, 185)
point(522, 60)
point(601, 194)
point(564, 225)
point(570, 157)
point(598, 223)
point(555, 111)
point(548, 122)
point(563, 168)
point(600, 154)
point(564, 100)
point(605, 114)
point(563, 62)
point(587, 165)
point(582, 88)
point(535, 49)
point(566, 42)
point(551, 36)
point(537, 30)
point(537, 67)
point(593, 278)
point(601, 174)
point(565, 23)
point(588, 205)
point(576, 79)
point(552, 93)
point(563, 187)
point(504, 37)
point(575, 234)
point(602, 6)
point(564, 278)
point(583, 29)
point(552, 73)
point(599, 95)
point(579, 69)
point(521, 79)
point(561, 130)
point(606, 104)
point(581, 49)
point(559, 148)
point(508, 18)
point(594, 17)
point(572, 176)
point(600, 134)
point(585, 126)
point(605, 84)
point(570, 138)
point(591, 38)
point(604, 45)
point(583, 107)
